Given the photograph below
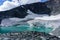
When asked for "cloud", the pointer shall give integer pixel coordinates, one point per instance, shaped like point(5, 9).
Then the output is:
point(7, 5)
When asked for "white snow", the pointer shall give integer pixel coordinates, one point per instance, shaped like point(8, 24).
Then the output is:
point(56, 17)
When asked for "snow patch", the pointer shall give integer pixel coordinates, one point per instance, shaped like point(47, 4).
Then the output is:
point(56, 17)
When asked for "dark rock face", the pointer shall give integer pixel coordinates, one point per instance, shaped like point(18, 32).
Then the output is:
point(18, 12)
point(38, 8)
point(54, 6)
point(21, 11)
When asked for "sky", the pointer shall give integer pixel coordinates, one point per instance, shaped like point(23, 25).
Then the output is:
point(2, 1)
point(44, 0)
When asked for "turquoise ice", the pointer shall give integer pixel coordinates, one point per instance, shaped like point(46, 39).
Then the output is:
point(22, 28)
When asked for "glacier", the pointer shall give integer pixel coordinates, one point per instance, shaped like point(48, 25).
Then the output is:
point(52, 21)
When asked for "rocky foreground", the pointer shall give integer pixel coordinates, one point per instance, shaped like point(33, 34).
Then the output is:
point(28, 36)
